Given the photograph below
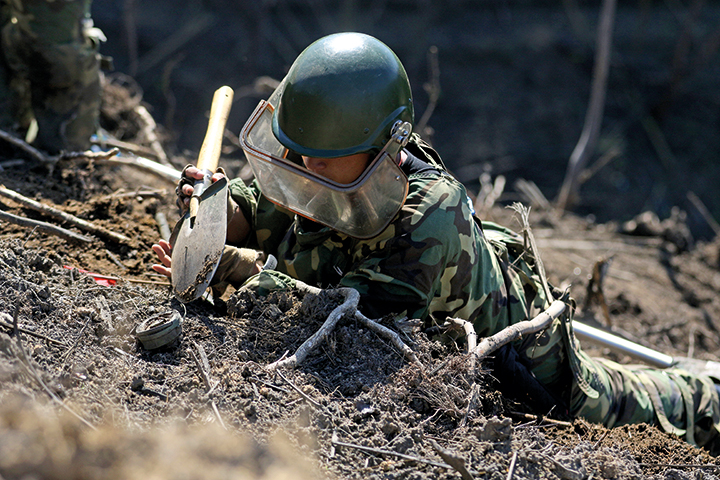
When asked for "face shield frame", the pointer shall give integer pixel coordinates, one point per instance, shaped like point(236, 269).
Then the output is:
point(361, 209)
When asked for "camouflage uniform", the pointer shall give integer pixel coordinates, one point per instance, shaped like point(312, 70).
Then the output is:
point(434, 261)
point(50, 71)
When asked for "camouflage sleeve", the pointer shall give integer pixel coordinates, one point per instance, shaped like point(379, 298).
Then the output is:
point(269, 281)
point(269, 222)
point(420, 264)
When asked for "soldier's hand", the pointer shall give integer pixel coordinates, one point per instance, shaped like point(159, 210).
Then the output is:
point(163, 250)
point(184, 189)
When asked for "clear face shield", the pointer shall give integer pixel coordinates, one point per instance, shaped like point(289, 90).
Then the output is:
point(360, 209)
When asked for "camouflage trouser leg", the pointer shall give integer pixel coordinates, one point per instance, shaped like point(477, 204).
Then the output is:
point(51, 50)
point(611, 394)
point(675, 400)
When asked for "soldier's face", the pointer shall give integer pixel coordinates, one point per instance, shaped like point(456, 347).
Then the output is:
point(341, 170)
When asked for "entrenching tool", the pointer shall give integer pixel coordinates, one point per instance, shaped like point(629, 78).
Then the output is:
point(645, 354)
point(199, 236)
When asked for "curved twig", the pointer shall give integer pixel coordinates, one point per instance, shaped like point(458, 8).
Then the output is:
point(349, 306)
point(352, 298)
point(513, 332)
point(29, 149)
point(389, 335)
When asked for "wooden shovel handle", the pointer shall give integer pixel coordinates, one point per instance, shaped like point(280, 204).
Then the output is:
point(212, 145)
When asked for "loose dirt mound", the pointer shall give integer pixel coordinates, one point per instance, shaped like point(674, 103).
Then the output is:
point(81, 398)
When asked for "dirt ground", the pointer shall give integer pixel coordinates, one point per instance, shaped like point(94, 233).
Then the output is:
point(80, 398)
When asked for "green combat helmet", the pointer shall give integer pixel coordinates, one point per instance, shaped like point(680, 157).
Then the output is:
point(342, 96)
point(345, 94)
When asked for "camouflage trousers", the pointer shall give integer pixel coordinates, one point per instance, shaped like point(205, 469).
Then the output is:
point(605, 392)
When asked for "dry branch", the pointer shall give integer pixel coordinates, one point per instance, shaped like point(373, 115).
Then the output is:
point(29, 332)
point(22, 145)
point(170, 174)
point(349, 306)
point(217, 415)
point(593, 118)
point(44, 227)
point(389, 335)
point(700, 206)
point(66, 217)
point(452, 459)
point(467, 328)
point(532, 193)
point(201, 361)
point(518, 330)
point(432, 88)
point(202, 365)
point(138, 192)
point(126, 146)
point(529, 239)
point(149, 129)
point(541, 420)
point(300, 392)
point(163, 225)
point(489, 193)
point(378, 451)
point(513, 462)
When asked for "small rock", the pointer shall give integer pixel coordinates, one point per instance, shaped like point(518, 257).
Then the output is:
point(390, 428)
point(495, 430)
point(137, 384)
point(403, 444)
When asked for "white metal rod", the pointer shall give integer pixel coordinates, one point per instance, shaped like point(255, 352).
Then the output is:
point(619, 344)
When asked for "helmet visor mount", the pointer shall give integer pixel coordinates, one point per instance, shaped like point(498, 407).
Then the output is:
point(360, 209)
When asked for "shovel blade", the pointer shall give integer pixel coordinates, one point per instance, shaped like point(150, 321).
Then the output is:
point(198, 244)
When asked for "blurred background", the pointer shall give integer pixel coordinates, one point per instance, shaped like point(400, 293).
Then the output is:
point(506, 84)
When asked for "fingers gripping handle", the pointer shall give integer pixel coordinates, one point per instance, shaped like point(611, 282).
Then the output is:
point(212, 144)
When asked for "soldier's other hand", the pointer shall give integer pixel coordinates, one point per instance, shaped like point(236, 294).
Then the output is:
point(163, 250)
point(190, 175)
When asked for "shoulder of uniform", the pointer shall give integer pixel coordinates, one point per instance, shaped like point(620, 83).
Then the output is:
point(424, 151)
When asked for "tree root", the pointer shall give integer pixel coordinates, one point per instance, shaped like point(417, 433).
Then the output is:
point(348, 307)
point(518, 330)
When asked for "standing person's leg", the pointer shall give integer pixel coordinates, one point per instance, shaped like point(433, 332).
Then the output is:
point(53, 46)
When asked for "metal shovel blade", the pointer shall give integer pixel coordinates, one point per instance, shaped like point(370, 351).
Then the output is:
point(198, 244)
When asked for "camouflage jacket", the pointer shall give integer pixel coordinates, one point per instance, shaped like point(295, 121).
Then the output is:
point(431, 262)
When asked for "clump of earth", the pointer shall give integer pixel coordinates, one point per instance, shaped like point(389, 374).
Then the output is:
point(82, 398)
